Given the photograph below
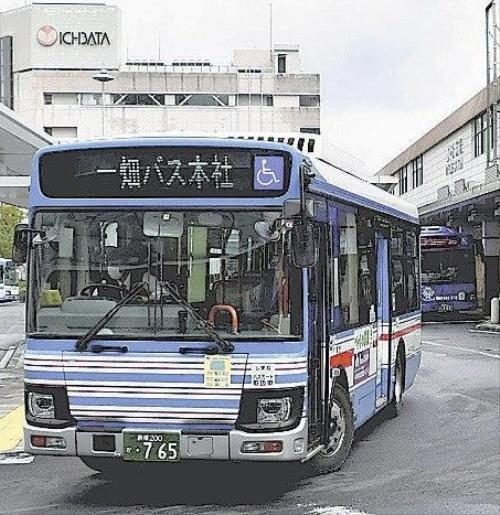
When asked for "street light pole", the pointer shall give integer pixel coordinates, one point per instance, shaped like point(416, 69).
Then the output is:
point(103, 76)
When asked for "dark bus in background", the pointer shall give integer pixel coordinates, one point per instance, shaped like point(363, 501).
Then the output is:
point(448, 270)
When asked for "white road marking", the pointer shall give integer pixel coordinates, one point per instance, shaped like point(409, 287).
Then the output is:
point(16, 458)
point(330, 510)
point(481, 353)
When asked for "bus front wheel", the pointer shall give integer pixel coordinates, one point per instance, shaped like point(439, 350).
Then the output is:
point(332, 456)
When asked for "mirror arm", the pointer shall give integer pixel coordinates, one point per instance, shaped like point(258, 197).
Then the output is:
point(306, 175)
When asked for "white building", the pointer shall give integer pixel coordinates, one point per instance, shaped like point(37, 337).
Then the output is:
point(50, 54)
point(452, 175)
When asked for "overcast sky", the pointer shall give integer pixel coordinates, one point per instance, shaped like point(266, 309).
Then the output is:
point(390, 69)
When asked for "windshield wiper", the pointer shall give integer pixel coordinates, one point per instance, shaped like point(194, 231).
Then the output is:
point(82, 342)
point(222, 344)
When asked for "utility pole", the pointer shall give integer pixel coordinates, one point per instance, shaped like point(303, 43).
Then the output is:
point(103, 76)
point(271, 32)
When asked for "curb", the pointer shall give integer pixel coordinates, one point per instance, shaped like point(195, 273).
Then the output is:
point(487, 327)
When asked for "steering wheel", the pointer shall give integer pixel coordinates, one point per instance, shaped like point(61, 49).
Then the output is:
point(86, 290)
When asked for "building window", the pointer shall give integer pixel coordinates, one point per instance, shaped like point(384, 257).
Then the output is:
point(61, 133)
point(137, 99)
point(47, 99)
point(411, 175)
point(281, 63)
point(6, 75)
point(309, 100)
point(310, 130)
point(403, 180)
point(256, 100)
point(202, 100)
point(480, 130)
point(417, 171)
point(90, 99)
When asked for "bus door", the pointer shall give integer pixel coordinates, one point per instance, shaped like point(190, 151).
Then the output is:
point(319, 316)
point(384, 328)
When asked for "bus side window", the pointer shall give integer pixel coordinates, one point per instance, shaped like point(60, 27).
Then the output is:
point(367, 277)
point(397, 271)
point(405, 280)
point(348, 269)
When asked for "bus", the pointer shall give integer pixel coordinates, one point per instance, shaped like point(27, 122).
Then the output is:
point(9, 290)
point(212, 299)
point(448, 271)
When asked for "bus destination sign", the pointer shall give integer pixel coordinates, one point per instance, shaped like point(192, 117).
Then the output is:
point(165, 172)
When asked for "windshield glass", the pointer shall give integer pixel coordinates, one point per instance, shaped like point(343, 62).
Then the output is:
point(448, 266)
point(88, 261)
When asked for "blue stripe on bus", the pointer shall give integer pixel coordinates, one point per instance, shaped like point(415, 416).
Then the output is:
point(289, 349)
point(406, 316)
point(154, 402)
point(363, 403)
point(41, 375)
point(344, 334)
point(140, 377)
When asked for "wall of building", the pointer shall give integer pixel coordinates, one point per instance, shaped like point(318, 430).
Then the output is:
point(63, 36)
point(448, 167)
point(66, 109)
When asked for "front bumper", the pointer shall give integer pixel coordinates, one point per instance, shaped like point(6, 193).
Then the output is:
point(203, 446)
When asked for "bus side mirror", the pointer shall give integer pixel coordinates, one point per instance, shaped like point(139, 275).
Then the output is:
point(20, 244)
point(304, 251)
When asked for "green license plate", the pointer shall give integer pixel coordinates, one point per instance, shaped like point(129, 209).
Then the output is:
point(144, 446)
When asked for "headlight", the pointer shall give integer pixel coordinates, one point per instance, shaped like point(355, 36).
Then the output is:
point(271, 411)
point(264, 411)
point(461, 295)
point(41, 405)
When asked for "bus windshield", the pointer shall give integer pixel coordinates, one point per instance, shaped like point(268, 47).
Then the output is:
point(88, 261)
point(448, 265)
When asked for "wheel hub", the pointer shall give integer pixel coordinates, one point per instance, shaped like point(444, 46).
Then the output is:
point(337, 429)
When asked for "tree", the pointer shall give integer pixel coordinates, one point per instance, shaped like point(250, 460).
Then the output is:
point(10, 216)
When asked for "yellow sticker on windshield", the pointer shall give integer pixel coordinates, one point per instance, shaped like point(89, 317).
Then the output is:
point(217, 372)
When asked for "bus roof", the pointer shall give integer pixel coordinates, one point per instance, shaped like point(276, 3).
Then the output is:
point(330, 180)
point(438, 230)
point(351, 188)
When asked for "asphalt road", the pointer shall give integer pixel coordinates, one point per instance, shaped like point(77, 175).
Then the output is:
point(441, 456)
point(11, 324)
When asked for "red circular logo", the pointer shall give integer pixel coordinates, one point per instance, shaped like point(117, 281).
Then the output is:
point(46, 35)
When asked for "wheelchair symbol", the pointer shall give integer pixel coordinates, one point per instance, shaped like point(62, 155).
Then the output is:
point(266, 176)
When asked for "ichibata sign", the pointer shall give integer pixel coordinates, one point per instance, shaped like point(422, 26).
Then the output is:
point(48, 36)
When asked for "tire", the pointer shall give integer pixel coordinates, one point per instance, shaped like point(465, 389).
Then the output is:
point(331, 458)
point(396, 405)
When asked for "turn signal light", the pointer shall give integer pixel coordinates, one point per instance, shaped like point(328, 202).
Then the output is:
point(262, 447)
point(48, 442)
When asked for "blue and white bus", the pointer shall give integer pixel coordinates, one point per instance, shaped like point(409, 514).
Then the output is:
point(9, 290)
point(448, 271)
point(212, 299)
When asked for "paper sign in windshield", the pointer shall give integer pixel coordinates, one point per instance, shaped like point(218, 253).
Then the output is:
point(217, 372)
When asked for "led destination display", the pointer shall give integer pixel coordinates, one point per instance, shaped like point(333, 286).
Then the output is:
point(165, 172)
